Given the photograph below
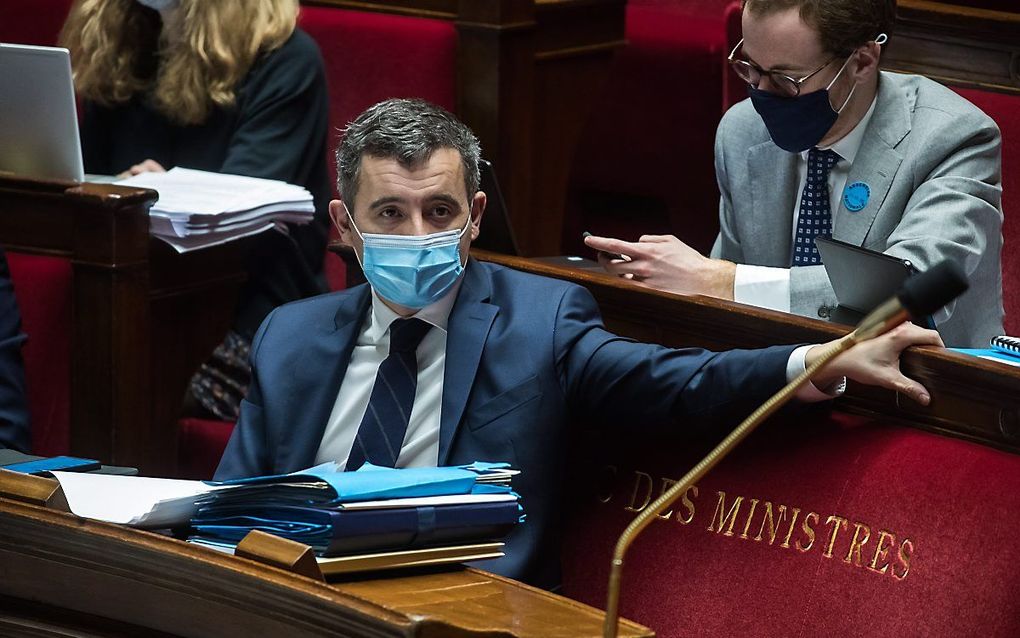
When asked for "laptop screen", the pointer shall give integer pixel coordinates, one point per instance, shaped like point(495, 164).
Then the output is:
point(38, 117)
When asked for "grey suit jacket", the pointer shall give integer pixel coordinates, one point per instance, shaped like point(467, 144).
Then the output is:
point(933, 162)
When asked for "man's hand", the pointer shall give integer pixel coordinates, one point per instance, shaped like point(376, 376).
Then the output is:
point(665, 263)
point(877, 361)
point(148, 166)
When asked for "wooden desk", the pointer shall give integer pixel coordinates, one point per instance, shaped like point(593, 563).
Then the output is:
point(972, 398)
point(143, 319)
point(878, 465)
point(68, 576)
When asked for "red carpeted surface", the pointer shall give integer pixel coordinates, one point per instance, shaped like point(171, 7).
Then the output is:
point(42, 286)
point(879, 530)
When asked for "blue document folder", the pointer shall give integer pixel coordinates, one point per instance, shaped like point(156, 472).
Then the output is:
point(333, 532)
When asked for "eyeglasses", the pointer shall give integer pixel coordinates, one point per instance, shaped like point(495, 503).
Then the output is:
point(784, 84)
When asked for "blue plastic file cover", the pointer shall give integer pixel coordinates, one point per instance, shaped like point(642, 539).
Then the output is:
point(364, 485)
point(332, 531)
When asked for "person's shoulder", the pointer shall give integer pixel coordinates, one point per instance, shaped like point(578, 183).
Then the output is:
point(535, 292)
point(937, 107)
point(742, 125)
point(300, 46)
point(298, 56)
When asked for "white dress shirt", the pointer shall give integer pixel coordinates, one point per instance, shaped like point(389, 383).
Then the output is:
point(421, 441)
point(768, 287)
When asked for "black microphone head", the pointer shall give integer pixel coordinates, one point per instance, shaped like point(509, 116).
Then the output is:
point(923, 294)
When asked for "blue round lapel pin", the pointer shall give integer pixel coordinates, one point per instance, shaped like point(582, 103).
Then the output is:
point(856, 196)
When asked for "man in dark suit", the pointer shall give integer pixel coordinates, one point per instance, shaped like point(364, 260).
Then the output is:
point(445, 360)
point(13, 403)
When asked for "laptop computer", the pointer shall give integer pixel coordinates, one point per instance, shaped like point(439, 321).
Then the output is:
point(38, 118)
point(862, 279)
point(497, 233)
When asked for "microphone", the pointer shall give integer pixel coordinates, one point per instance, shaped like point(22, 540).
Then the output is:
point(920, 296)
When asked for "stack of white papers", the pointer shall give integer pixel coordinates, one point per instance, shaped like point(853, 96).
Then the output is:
point(198, 209)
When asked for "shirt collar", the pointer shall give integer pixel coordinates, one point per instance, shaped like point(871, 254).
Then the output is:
point(437, 314)
point(848, 145)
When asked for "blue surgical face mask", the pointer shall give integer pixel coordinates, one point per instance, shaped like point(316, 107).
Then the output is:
point(798, 123)
point(412, 271)
point(158, 5)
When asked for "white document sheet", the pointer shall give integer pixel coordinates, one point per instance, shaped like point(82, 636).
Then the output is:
point(132, 500)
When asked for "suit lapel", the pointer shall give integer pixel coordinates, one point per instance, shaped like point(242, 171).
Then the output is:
point(774, 180)
point(328, 359)
point(467, 330)
point(877, 161)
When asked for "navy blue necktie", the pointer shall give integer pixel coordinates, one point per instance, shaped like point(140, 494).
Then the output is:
point(389, 408)
point(815, 217)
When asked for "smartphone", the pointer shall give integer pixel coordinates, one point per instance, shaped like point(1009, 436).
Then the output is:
point(608, 255)
point(55, 464)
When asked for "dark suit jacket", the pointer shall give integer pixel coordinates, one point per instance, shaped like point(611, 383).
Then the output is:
point(523, 353)
point(13, 402)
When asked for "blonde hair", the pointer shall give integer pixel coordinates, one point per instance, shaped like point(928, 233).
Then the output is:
point(120, 48)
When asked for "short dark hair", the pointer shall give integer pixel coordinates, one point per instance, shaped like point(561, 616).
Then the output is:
point(843, 25)
point(409, 131)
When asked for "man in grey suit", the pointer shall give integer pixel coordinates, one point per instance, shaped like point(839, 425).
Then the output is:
point(828, 145)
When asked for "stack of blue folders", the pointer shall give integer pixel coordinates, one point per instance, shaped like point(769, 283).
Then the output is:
point(371, 510)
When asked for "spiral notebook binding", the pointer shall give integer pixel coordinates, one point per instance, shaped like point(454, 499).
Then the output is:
point(1009, 345)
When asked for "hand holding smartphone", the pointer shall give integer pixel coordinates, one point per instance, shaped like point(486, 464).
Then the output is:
point(608, 255)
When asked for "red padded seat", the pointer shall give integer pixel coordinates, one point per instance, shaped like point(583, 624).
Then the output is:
point(644, 162)
point(32, 21)
point(42, 286)
point(201, 444)
point(907, 533)
point(1005, 110)
point(369, 57)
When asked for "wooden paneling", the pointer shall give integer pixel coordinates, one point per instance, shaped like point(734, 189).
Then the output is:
point(143, 319)
point(958, 45)
point(972, 398)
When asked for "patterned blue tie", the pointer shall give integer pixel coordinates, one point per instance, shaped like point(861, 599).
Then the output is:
point(815, 218)
point(389, 407)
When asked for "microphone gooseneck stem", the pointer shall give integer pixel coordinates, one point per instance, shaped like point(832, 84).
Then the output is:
point(884, 320)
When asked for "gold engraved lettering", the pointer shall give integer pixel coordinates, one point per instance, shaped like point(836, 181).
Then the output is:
point(840, 522)
point(854, 555)
point(606, 485)
point(906, 551)
point(731, 516)
point(882, 551)
point(773, 524)
point(750, 515)
point(789, 532)
point(688, 505)
point(666, 484)
point(808, 531)
point(641, 481)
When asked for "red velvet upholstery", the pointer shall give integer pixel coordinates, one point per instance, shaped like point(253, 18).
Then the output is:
point(32, 21)
point(645, 160)
point(1005, 110)
point(201, 445)
point(369, 57)
point(42, 286)
point(949, 509)
point(734, 89)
